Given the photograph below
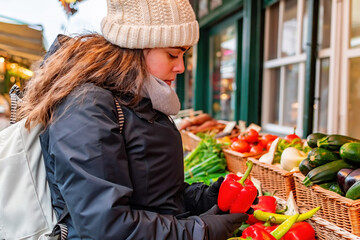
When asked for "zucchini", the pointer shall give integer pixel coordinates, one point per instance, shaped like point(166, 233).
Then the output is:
point(320, 156)
point(325, 173)
point(304, 166)
point(335, 141)
point(350, 152)
point(313, 138)
point(332, 186)
point(354, 191)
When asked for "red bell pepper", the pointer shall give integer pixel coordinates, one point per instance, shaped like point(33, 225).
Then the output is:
point(300, 231)
point(236, 193)
point(257, 233)
point(265, 204)
point(266, 226)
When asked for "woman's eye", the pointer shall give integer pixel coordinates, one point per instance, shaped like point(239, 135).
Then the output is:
point(172, 56)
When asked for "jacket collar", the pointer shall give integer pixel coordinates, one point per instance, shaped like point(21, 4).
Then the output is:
point(145, 110)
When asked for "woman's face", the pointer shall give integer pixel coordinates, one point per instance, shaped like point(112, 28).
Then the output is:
point(165, 63)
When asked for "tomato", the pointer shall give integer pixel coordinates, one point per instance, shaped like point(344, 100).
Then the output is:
point(291, 137)
point(269, 137)
point(256, 149)
point(268, 145)
point(240, 146)
point(262, 142)
point(250, 136)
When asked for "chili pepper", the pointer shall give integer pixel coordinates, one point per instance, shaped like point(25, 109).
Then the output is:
point(283, 228)
point(300, 231)
point(236, 193)
point(265, 204)
point(258, 232)
point(279, 218)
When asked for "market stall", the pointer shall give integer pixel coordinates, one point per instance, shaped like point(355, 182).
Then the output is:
point(320, 172)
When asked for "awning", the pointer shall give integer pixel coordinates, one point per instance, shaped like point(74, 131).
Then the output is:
point(22, 41)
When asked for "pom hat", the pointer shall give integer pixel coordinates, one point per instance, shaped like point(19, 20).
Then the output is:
point(140, 24)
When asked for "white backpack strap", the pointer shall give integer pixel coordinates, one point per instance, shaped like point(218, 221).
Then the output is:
point(15, 95)
point(120, 114)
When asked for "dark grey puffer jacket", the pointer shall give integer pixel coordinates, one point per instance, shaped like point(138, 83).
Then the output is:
point(117, 186)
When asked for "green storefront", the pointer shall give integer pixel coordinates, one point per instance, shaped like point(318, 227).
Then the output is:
point(277, 63)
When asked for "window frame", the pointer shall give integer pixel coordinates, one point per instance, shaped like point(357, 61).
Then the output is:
point(282, 62)
point(347, 54)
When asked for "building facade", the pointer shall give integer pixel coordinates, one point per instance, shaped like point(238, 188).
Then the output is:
point(282, 64)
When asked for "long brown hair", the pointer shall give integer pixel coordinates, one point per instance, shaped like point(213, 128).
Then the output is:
point(88, 58)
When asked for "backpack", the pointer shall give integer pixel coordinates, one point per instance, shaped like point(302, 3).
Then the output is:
point(26, 211)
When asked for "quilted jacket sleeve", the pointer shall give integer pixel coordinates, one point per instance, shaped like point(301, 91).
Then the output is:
point(91, 172)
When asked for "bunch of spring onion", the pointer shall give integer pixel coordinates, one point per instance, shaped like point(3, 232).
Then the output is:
point(206, 160)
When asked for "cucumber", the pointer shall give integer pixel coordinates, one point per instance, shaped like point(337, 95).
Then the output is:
point(313, 138)
point(325, 173)
point(304, 166)
point(350, 152)
point(320, 156)
point(354, 191)
point(334, 142)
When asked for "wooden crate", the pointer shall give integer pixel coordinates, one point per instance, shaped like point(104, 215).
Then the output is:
point(189, 140)
point(336, 209)
point(273, 178)
point(236, 162)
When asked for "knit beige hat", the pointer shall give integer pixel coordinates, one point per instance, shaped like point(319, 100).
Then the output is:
point(150, 23)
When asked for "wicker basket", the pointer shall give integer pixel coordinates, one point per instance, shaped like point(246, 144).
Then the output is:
point(236, 162)
point(325, 230)
point(338, 210)
point(273, 179)
point(189, 140)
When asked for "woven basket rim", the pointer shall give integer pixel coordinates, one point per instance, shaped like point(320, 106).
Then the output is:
point(329, 194)
point(334, 228)
point(272, 167)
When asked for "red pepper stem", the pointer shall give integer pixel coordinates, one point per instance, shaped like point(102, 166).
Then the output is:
point(249, 165)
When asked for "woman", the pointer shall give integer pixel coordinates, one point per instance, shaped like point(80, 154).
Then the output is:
point(125, 184)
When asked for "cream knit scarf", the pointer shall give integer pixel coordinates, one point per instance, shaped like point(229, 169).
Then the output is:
point(162, 96)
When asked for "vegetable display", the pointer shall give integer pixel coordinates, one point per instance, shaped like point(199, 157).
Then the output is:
point(236, 194)
point(279, 218)
point(285, 154)
point(206, 160)
point(325, 173)
point(266, 204)
point(350, 152)
point(335, 141)
point(333, 163)
point(291, 158)
point(291, 228)
point(251, 142)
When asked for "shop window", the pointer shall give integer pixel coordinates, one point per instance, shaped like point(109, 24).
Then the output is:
point(324, 31)
point(289, 28)
point(355, 24)
point(321, 103)
point(354, 97)
point(189, 78)
point(291, 104)
point(222, 73)
point(324, 72)
point(273, 17)
point(284, 66)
